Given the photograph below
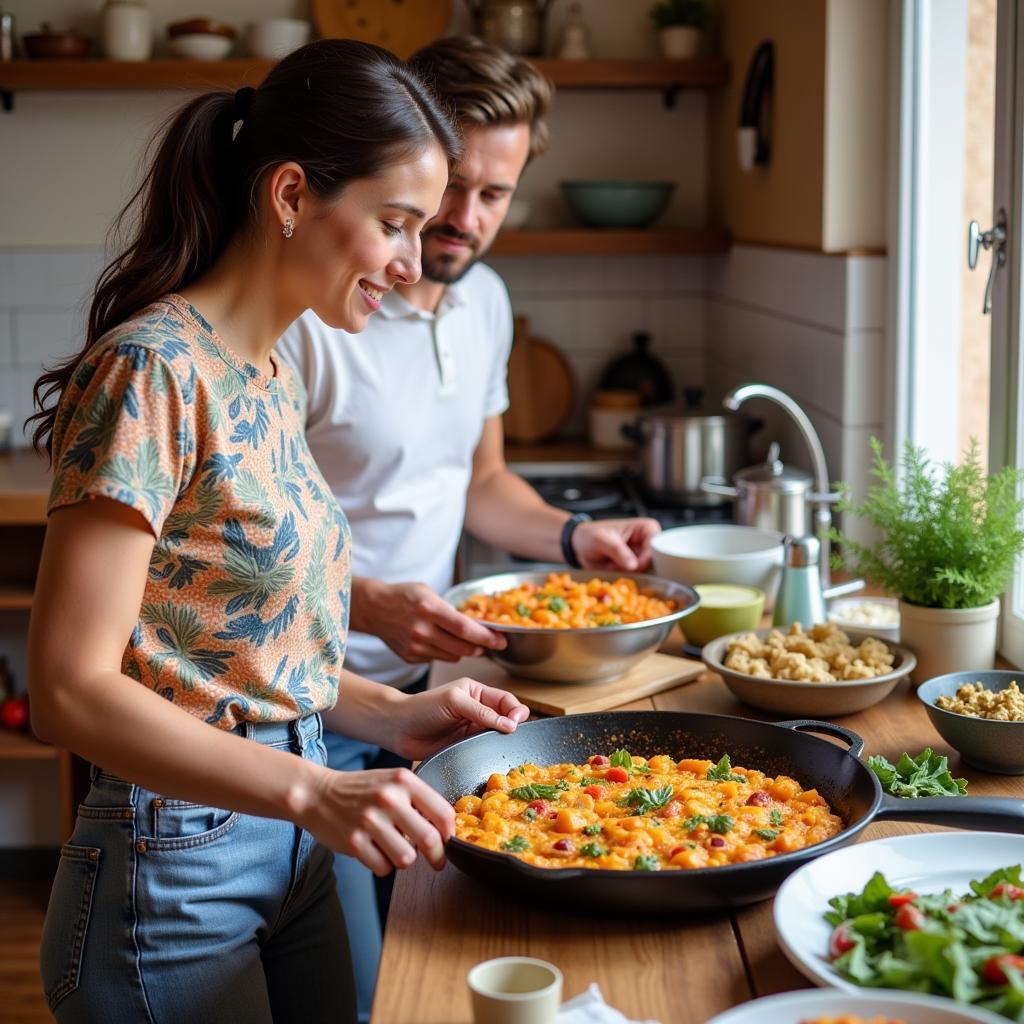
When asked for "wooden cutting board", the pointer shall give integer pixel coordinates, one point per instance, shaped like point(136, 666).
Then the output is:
point(401, 26)
point(541, 391)
point(656, 673)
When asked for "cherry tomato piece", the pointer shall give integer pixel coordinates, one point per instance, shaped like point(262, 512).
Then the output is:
point(594, 791)
point(599, 760)
point(840, 941)
point(898, 899)
point(993, 971)
point(909, 918)
point(617, 775)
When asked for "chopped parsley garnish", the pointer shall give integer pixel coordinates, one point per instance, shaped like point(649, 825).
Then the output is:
point(521, 609)
point(776, 816)
point(592, 830)
point(646, 862)
point(516, 844)
point(530, 814)
point(562, 784)
point(536, 791)
point(642, 799)
point(592, 850)
point(722, 772)
point(927, 774)
point(557, 604)
point(767, 834)
point(621, 759)
point(720, 823)
point(587, 780)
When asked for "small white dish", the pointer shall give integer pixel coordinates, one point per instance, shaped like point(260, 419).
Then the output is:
point(274, 38)
point(925, 862)
point(910, 1007)
point(515, 990)
point(200, 46)
point(849, 614)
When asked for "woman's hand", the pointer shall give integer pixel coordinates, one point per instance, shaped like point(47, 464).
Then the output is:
point(381, 817)
point(426, 722)
point(623, 544)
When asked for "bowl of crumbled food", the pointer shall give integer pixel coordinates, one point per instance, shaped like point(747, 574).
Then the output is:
point(875, 616)
point(577, 626)
point(820, 672)
point(981, 715)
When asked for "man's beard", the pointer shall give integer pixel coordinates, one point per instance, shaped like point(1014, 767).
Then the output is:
point(446, 268)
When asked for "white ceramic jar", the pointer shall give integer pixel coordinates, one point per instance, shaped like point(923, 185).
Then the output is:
point(274, 38)
point(127, 30)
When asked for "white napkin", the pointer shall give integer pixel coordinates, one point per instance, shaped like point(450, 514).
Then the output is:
point(590, 1008)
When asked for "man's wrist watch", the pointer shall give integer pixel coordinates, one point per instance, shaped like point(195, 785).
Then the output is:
point(568, 528)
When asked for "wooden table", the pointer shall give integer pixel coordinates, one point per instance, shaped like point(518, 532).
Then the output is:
point(676, 970)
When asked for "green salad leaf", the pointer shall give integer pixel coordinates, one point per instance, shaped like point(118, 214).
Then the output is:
point(722, 772)
point(925, 775)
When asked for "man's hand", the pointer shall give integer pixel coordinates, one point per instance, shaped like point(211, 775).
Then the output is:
point(615, 543)
point(418, 624)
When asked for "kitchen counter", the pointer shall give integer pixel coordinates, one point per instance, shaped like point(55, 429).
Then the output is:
point(674, 970)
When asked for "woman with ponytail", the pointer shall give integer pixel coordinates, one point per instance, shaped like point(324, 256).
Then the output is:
point(194, 548)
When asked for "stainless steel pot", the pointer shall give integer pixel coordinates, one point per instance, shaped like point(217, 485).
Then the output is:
point(770, 496)
point(682, 446)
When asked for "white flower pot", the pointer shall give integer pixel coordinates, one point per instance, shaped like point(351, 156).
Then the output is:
point(680, 42)
point(949, 639)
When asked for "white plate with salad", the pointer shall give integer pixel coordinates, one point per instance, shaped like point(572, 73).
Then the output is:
point(893, 927)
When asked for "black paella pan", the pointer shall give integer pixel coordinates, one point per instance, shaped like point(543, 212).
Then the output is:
point(850, 787)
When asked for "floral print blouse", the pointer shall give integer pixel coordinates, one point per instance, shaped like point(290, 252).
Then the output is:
point(245, 610)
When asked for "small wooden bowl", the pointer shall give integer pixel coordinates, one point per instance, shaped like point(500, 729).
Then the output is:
point(50, 45)
point(200, 27)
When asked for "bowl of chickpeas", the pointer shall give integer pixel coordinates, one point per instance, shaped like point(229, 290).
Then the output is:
point(981, 715)
point(577, 626)
point(818, 672)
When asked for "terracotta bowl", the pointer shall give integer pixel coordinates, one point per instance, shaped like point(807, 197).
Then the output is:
point(200, 27)
point(50, 45)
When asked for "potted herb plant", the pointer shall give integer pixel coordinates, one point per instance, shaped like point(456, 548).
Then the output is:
point(948, 539)
point(679, 24)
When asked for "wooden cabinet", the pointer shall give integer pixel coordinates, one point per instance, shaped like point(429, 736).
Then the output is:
point(24, 484)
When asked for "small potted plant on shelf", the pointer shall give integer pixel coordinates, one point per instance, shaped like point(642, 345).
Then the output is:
point(948, 539)
point(680, 24)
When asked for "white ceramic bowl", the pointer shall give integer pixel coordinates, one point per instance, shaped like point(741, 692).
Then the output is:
point(200, 46)
point(721, 553)
point(842, 612)
point(805, 700)
point(911, 1007)
point(274, 38)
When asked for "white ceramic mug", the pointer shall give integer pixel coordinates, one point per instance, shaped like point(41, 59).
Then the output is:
point(515, 990)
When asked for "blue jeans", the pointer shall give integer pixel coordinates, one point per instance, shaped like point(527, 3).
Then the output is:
point(167, 911)
point(364, 897)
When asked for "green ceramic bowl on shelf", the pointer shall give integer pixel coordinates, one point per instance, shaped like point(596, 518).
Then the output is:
point(617, 204)
point(724, 608)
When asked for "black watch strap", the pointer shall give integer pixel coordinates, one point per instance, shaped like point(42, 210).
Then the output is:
point(568, 528)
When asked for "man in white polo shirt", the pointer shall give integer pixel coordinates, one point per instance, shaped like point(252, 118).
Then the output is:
point(404, 422)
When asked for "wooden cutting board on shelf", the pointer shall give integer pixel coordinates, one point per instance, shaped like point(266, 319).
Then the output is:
point(655, 674)
point(401, 26)
point(541, 390)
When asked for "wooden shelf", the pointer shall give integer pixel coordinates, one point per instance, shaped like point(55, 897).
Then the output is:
point(14, 598)
point(611, 242)
point(24, 488)
point(50, 75)
point(22, 746)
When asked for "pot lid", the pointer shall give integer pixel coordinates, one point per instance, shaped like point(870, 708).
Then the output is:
point(773, 475)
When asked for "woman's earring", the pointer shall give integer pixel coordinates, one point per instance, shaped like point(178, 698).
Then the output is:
point(289, 228)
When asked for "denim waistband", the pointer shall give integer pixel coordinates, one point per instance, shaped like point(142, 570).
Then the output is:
point(298, 735)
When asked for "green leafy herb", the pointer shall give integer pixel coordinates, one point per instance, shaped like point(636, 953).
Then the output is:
point(535, 791)
point(562, 784)
point(947, 955)
point(516, 844)
point(767, 834)
point(530, 814)
point(591, 830)
point(722, 772)
point(589, 781)
point(776, 816)
point(642, 799)
point(621, 759)
point(925, 775)
point(523, 610)
point(720, 823)
point(646, 862)
point(592, 850)
point(557, 604)
point(948, 536)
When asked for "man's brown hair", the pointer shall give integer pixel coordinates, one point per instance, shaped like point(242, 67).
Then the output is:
point(486, 86)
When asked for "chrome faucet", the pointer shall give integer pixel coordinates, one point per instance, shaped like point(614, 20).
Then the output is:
point(823, 498)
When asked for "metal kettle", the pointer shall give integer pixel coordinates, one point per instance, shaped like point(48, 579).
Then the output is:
point(770, 496)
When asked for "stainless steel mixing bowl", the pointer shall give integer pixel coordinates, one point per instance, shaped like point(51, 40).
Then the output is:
point(578, 655)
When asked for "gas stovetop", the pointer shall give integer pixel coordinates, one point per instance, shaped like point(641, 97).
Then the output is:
point(620, 495)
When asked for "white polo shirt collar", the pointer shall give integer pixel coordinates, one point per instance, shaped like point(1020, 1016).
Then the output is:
point(395, 306)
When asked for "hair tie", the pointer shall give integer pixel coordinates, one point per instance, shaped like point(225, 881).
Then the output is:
point(240, 111)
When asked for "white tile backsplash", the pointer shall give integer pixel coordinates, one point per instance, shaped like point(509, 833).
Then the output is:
point(44, 336)
point(50, 278)
point(6, 340)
